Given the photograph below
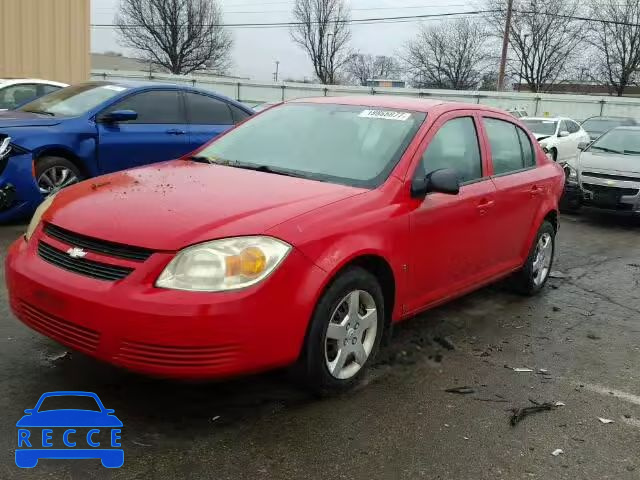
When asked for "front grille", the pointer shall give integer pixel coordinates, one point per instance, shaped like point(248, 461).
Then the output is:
point(111, 249)
point(611, 177)
point(134, 353)
point(67, 333)
point(603, 189)
point(89, 268)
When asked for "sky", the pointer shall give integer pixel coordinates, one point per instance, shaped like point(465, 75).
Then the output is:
point(255, 51)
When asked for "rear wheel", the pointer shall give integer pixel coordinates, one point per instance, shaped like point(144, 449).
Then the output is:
point(534, 274)
point(345, 332)
point(55, 173)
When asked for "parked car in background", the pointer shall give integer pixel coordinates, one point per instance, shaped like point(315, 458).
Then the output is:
point(518, 112)
point(18, 91)
point(99, 127)
point(298, 237)
point(596, 126)
point(558, 136)
point(608, 171)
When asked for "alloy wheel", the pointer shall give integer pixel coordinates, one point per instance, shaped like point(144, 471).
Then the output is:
point(351, 334)
point(542, 259)
point(54, 179)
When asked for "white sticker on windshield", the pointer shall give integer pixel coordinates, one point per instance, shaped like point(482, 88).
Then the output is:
point(385, 114)
point(115, 88)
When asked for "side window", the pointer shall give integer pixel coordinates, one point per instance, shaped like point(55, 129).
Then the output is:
point(563, 127)
point(203, 110)
point(572, 126)
point(238, 115)
point(46, 89)
point(528, 154)
point(155, 106)
point(506, 150)
point(16, 95)
point(455, 146)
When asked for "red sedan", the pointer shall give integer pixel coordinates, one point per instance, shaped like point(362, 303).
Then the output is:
point(298, 237)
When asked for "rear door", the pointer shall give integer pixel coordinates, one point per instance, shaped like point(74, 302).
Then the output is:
point(451, 236)
point(159, 133)
point(519, 188)
point(208, 117)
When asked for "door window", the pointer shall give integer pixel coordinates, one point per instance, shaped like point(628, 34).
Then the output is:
point(156, 106)
point(45, 89)
point(16, 95)
point(563, 127)
point(204, 110)
point(455, 146)
point(572, 127)
point(511, 149)
point(238, 115)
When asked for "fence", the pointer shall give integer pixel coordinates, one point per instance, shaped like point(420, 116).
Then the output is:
point(578, 107)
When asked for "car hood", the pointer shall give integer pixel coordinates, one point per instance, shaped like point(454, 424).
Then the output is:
point(613, 162)
point(16, 118)
point(171, 205)
point(69, 418)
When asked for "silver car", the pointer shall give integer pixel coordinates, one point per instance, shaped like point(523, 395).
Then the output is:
point(608, 171)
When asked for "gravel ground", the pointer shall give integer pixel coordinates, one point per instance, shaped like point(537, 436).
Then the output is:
point(583, 331)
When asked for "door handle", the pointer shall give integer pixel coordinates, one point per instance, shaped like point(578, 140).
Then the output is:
point(536, 190)
point(484, 205)
point(176, 131)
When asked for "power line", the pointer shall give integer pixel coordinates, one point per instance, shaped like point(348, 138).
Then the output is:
point(293, 24)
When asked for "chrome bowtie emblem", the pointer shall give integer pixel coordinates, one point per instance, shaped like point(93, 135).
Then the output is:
point(76, 252)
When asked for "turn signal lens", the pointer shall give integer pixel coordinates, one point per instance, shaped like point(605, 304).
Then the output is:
point(250, 262)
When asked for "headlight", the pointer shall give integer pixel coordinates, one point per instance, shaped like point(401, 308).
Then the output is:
point(226, 264)
point(37, 215)
point(570, 173)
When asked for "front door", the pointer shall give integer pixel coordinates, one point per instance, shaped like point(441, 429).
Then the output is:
point(451, 235)
point(159, 133)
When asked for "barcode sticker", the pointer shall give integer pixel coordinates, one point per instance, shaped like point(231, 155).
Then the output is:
point(386, 115)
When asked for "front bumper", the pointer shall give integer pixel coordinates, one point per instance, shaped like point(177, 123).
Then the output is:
point(623, 197)
point(19, 192)
point(169, 333)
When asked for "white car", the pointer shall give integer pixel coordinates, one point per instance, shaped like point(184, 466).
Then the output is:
point(558, 136)
point(17, 91)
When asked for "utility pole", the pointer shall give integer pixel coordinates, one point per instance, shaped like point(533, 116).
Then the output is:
point(275, 75)
point(505, 46)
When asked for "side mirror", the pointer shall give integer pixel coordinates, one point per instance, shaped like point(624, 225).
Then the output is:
point(119, 116)
point(439, 181)
point(582, 145)
point(563, 133)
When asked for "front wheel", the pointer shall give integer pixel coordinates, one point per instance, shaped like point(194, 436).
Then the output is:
point(54, 174)
point(345, 332)
point(534, 274)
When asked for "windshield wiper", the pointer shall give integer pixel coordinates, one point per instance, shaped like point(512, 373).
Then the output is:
point(41, 112)
point(605, 149)
point(201, 159)
point(267, 169)
point(631, 152)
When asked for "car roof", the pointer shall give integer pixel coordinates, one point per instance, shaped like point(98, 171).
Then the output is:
point(605, 117)
point(549, 119)
point(635, 128)
point(401, 103)
point(17, 81)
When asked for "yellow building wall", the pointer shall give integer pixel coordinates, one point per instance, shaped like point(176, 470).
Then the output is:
point(47, 39)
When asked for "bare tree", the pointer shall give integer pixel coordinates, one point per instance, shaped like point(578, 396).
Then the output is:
point(544, 40)
point(451, 54)
point(178, 35)
point(322, 29)
point(616, 45)
point(362, 67)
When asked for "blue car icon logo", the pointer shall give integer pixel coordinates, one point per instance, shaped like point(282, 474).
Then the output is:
point(78, 433)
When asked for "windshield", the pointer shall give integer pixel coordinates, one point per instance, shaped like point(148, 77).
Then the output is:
point(600, 125)
point(73, 101)
point(66, 402)
point(352, 145)
point(541, 127)
point(618, 140)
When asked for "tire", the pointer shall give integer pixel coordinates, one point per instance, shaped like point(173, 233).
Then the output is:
point(49, 169)
point(320, 345)
point(526, 280)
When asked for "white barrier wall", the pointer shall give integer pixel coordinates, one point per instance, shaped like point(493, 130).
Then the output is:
point(578, 107)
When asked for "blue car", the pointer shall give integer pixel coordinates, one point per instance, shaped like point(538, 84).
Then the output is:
point(95, 128)
point(77, 429)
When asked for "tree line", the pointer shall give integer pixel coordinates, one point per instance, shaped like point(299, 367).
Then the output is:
point(550, 42)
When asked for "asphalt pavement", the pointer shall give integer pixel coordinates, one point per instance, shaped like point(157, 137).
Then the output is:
point(581, 338)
